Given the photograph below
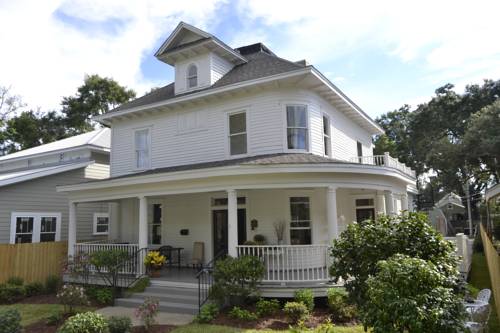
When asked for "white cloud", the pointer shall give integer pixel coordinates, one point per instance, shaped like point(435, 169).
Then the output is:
point(44, 58)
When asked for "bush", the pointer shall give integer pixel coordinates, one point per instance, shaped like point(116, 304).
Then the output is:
point(305, 296)
point(72, 295)
point(120, 324)
point(236, 277)
point(10, 293)
point(147, 312)
point(242, 314)
point(85, 323)
point(52, 284)
point(54, 318)
point(208, 312)
point(296, 311)
point(266, 307)
point(338, 304)
point(15, 281)
point(140, 285)
point(10, 321)
point(411, 295)
point(357, 251)
point(33, 289)
point(101, 295)
point(107, 264)
point(478, 243)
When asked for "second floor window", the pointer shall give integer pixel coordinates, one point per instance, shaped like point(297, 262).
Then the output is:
point(327, 141)
point(142, 149)
point(237, 133)
point(359, 147)
point(297, 131)
point(192, 76)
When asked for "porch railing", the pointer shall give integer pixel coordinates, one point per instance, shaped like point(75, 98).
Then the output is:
point(135, 266)
point(384, 160)
point(291, 263)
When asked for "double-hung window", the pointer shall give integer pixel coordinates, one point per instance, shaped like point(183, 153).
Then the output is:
point(300, 224)
point(237, 133)
point(327, 139)
point(297, 131)
point(192, 76)
point(142, 149)
point(101, 223)
point(35, 227)
point(359, 148)
point(154, 234)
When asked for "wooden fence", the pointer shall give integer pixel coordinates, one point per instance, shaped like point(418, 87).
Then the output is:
point(493, 260)
point(32, 261)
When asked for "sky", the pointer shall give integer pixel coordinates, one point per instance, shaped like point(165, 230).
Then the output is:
point(382, 54)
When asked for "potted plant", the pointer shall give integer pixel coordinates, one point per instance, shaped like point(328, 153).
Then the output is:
point(279, 230)
point(154, 261)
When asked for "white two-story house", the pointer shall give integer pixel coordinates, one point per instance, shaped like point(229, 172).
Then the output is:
point(242, 141)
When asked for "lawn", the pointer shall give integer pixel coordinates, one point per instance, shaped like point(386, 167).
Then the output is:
point(32, 313)
point(480, 278)
point(194, 328)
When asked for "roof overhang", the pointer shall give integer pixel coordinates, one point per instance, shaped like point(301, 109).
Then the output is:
point(306, 78)
point(91, 147)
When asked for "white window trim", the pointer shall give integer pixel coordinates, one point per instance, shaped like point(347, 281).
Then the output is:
point(96, 216)
point(289, 227)
point(149, 129)
point(363, 196)
point(36, 224)
point(228, 135)
point(327, 116)
point(192, 76)
point(285, 123)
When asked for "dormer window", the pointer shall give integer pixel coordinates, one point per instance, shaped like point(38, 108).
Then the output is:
point(192, 76)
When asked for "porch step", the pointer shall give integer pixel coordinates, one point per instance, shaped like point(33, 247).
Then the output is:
point(171, 299)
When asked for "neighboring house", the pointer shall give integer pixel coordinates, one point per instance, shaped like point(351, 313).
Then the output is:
point(448, 215)
point(241, 140)
point(31, 210)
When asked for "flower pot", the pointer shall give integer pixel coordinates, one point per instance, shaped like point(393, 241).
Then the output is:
point(154, 273)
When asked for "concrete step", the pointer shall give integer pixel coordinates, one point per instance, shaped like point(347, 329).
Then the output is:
point(164, 297)
point(172, 307)
point(171, 291)
point(173, 284)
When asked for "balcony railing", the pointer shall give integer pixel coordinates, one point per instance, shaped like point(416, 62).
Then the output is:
point(291, 263)
point(384, 160)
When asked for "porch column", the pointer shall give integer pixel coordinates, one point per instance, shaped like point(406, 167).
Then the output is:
point(72, 229)
point(404, 202)
point(331, 213)
point(232, 223)
point(380, 203)
point(143, 222)
point(389, 203)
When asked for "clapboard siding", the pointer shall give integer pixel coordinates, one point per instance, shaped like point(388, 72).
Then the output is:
point(266, 131)
point(219, 67)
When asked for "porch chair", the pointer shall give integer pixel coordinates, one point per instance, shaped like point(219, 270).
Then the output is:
point(484, 295)
point(198, 254)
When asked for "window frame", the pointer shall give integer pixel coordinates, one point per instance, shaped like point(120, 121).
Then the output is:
point(149, 143)
point(229, 135)
point(373, 197)
point(151, 224)
point(37, 218)
point(289, 226)
point(189, 77)
point(327, 151)
point(286, 127)
point(94, 229)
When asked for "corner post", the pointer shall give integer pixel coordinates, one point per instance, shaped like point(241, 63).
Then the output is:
point(143, 222)
point(331, 213)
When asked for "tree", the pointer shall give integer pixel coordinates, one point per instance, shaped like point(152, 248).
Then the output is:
point(9, 104)
point(96, 96)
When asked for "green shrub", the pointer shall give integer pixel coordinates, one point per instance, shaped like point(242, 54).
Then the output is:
point(236, 278)
point(72, 295)
point(478, 244)
point(140, 285)
point(266, 307)
point(305, 296)
point(88, 322)
point(120, 324)
point(208, 312)
point(339, 306)
point(242, 314)
point(10, 321)
point(52, 284)
point(33, 289)
point(357, 251)
point(471, 290)
point(15, 281)
point(411, 295)
point(296, 311)
point(107, 264)
point(54, 318)
point(104, 296)
point(10, 293)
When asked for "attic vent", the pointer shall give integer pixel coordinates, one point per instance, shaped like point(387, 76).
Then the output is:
point(254, 48)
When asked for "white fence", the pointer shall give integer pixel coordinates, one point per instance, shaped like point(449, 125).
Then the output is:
point(464, 250)
point(384, 160)
point(291, 263)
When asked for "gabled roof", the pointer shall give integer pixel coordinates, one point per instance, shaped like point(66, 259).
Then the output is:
point(99, 139)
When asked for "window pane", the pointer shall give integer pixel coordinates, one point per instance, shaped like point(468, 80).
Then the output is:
point(48, 224)
point(238, 144)
point(24, 224)
point(360, 149)
point(141, 139)
point(102, 228)
point(364, 202)
point(237, 123)
point(142, 159)
point(300, 237)
point(297, 138)
point(300, 212)
point(26, 238)
point(192, 71)
point(48, 237)
point(327, 143)
point(296, 116)
point(192, 82)
point(326, 126)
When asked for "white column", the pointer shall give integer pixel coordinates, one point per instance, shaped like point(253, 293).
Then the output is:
point(143, 222)
point(404, 202)
point(72, 229)
point(380, 203)
point(331, 213)
point(389, 203)
point(232, 223)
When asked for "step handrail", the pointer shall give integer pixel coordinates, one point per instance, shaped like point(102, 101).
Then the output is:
point(206, 280)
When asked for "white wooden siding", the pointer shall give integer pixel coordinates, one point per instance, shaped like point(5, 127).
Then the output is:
point(219, 67)
point(204, 73)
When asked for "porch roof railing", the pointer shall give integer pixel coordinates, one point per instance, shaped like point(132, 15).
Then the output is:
point(291, 263)
point(384, 160)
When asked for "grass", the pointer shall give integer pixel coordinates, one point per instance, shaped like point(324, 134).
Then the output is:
point(480, 278)
point(195, 328)
point(32, 313)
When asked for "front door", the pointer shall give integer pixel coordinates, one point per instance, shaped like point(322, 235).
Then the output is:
point(219, 220)
point(363, 214)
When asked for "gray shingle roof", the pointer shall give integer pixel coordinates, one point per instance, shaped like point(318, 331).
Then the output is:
point(260, 64)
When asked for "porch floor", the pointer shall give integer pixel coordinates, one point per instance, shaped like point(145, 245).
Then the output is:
point(174, 274)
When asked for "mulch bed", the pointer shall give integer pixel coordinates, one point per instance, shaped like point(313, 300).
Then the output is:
point(40, 299)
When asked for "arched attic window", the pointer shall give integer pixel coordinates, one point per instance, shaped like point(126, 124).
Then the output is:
point(192, 76)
